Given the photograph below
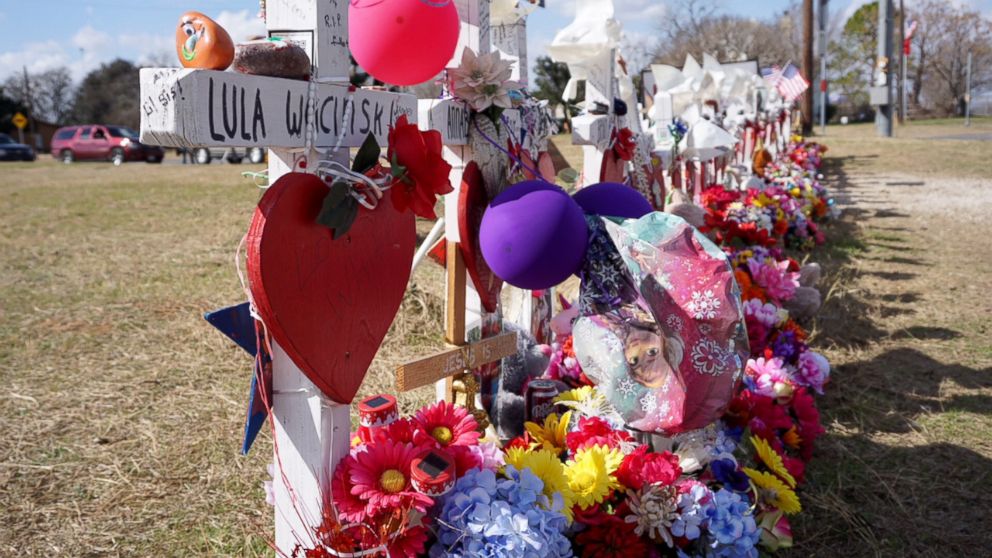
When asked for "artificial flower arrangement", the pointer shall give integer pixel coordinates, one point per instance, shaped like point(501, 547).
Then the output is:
point(579, 482)
point(482, 82)
point(784, 211)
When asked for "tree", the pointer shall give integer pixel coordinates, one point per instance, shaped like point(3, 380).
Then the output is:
point(947, 33)
point(694, 27)
point(8, 108)
point(550, 77)
point(109, 95)
point(854, 53)
point(47, 95)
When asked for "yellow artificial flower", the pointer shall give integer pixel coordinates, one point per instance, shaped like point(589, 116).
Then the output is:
point(580, 394)
point(590, 474)
point(774, 492)
point(587, 401)
point(546, 466)
point(551, 436)
point(772, 460)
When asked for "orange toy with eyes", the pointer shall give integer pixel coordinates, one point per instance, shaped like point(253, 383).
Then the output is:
point(201, 43)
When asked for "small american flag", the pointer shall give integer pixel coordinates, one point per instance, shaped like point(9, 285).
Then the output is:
point(789, 82)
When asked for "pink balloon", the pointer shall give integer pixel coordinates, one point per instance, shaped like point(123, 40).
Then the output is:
point(403, 42)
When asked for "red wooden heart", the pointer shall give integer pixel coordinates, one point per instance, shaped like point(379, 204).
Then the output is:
point(472, 202)
point(328, 303)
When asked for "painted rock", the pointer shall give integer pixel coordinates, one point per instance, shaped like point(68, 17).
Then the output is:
point(272, 57)
point(202, 43)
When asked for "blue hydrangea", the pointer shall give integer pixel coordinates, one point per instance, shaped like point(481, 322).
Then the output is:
point(500, 517)
point(726, 441)
point(733, 532)
point(692, 512)
point(726, 472)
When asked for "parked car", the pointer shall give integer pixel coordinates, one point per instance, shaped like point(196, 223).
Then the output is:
point(10, 150)
point(116, 144)
point(204, 155)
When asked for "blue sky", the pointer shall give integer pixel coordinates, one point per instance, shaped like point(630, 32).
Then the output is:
point(81, 34)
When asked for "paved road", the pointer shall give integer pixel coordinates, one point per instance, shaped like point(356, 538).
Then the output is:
point(968, 137)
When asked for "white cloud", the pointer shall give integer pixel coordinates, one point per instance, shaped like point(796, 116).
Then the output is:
point(88, 38)
point(144, 48)
point(629, 12)
point(37, 57)
point(241, 25)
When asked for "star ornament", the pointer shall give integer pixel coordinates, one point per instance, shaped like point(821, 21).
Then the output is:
point(237, 323)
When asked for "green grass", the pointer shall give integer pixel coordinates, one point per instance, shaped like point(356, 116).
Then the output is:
point(122, 409)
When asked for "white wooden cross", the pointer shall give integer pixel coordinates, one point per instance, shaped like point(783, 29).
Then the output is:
point(452, 119)
point(201, 108)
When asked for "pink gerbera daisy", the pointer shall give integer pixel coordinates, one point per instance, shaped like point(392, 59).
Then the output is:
point(445, 424)
point(380, 475)
point(350, 508)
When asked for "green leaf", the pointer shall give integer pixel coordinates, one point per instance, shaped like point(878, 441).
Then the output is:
point(399, 171)
point(368, 154)
point(348, 214)
point(335, 205)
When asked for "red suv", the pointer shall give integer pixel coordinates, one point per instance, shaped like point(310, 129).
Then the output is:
point(116, 144)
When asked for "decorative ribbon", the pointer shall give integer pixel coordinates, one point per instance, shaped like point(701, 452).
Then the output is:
point(516, 159)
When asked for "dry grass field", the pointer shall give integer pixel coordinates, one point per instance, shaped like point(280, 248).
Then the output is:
point(122, 409)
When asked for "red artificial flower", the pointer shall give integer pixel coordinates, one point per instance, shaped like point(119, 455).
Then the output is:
point(761, 414)
point(520, 442)
point(613, 538)
point(380, 476)
point(593, 515)
point(808, 419)
point(594, 431)
point(419, 166)
point(445, 424)
point(796, 467)
point(400, 430)
point(624, 146)
point(464, 458)
point(643, 466)
point(409, 544)
point(349, 508)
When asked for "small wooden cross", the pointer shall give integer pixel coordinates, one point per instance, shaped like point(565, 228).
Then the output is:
point(463, 307)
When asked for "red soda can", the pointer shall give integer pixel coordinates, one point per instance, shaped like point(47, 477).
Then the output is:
point(539, 399)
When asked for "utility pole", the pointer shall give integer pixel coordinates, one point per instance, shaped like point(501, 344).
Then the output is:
point(30, 105)
point(807, 106)
point(882, 92)
point(823, 66)
point(902, 63)
point(967, 93)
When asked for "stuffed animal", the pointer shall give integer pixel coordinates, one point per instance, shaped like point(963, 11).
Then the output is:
point(683, 207)
point(530, 361)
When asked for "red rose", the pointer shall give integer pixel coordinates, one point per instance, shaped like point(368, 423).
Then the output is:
point(642, 467)
point(423, 172)
point(624, 145)
point(594, 431)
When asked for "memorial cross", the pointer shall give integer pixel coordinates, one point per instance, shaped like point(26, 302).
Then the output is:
point(464, 310)
point(300, 123)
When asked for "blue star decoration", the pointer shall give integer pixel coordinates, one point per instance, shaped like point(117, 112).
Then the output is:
point(237, 323)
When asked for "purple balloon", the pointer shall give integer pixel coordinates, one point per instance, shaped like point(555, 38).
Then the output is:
point(533, 235)
point(612, 199)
